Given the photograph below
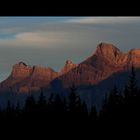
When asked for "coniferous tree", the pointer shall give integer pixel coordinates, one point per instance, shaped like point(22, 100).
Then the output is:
point(131, 86)
point(1, 114)
point(42, 103)
point(50, 104)
point(9, 110)
point(65, 105)
point(72, 100)
point(74, 106)
point(41, 110)
point(30, 107)
point(18, 110)
point(78, 106)
point(130, 96)
point(58, 105)
point(93, 114)
point(84, 110)
point(103, 111)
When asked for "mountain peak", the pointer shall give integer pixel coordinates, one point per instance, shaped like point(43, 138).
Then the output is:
point(22, 63)
point(68, 62)
point(134, 51)
point(68, 66)
point(107, 50)
point(21, 70)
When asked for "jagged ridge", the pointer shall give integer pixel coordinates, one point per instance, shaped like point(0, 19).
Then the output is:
point(106, 60)
point(25, 78)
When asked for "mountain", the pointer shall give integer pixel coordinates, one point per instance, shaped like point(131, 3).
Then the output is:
point(106, 60)
point(101, 65)
point(25, 78)
point(94, 77)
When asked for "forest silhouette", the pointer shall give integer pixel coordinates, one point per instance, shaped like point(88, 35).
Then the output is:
point(119, 107)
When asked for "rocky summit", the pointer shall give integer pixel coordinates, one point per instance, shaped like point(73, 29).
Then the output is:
point(105, 61)
point(67, 67)
point(24, 78)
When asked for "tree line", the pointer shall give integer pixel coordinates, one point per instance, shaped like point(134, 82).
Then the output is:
point(119, 106)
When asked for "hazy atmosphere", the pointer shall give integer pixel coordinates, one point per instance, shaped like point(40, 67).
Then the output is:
point(49, 41)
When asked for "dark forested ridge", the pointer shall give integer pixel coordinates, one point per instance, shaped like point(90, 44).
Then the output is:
point(120, 108)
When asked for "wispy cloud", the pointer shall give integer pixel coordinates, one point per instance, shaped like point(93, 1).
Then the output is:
point(32, 37)
point(103, 20)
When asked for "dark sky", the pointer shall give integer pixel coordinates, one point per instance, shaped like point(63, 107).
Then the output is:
point(49, 41)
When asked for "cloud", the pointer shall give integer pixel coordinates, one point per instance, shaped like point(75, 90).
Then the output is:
point(32, 37)
point(70, 31)
point(103, 20)
point(25, 39)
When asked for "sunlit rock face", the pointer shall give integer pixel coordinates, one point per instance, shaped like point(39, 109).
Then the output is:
point(108, 51)
point(69, 65)
point(134, 57)
point(25, 78)
point(105, 61)
point(21, 70)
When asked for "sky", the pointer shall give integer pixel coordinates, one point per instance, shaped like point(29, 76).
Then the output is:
point(50, 41)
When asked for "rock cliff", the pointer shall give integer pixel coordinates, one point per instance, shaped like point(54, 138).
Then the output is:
point(105, 61)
